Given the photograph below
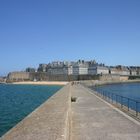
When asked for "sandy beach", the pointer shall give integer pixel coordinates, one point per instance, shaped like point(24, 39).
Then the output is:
point(42, 83)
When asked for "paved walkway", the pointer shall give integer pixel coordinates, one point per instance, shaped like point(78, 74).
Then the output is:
point(94, 119)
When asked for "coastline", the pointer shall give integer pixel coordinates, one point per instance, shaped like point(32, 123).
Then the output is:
point(63, 83)
point(41, 83)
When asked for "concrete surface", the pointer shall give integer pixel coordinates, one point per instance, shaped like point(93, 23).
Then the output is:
point(89, 118)
point(48, 122)
point(94, 119)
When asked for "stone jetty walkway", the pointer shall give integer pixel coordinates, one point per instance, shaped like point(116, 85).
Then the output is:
point(89, 118)
point(94, 119)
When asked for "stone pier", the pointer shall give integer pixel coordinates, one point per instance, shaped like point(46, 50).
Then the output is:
point(86, 118)
point(48, 122)
point(95, 119)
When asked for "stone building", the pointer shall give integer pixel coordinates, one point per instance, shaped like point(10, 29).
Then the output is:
point(133, 71)
point(80, 68)
point(98, 69)
point(138, 71)
point(122, 70)
point(30, 69)
point(66, 70)
point(60, 68)
point(42, 67)
point(113, 71)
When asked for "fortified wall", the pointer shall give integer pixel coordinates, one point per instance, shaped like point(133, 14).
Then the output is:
point(18, 76)
point(43, 76)
point(113, 77)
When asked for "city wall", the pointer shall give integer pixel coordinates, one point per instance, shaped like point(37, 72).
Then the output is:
point(43, 76)
point(113, 77)
point(18, 76)
point(89, 83)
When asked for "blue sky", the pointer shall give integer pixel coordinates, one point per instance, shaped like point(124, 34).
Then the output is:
point(40, 31)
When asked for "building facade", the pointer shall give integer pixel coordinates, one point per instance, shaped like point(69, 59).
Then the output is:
point(98, 70)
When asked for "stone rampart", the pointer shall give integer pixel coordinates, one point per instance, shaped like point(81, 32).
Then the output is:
point(18, 76)
point(43, 76)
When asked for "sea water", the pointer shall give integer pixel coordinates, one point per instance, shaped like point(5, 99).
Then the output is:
point(17, 101)
point(128, 91)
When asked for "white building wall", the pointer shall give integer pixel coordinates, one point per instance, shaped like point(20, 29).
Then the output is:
point(80, 70)
point(114, 72)
point(102, 71)
point(83, 71)
point(70, 70)
point(133, 73)
point(98, 70)
point(92, 71)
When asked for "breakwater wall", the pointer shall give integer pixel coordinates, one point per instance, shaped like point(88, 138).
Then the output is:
point(128, 104)
point(89, 83)
point(50, 121)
